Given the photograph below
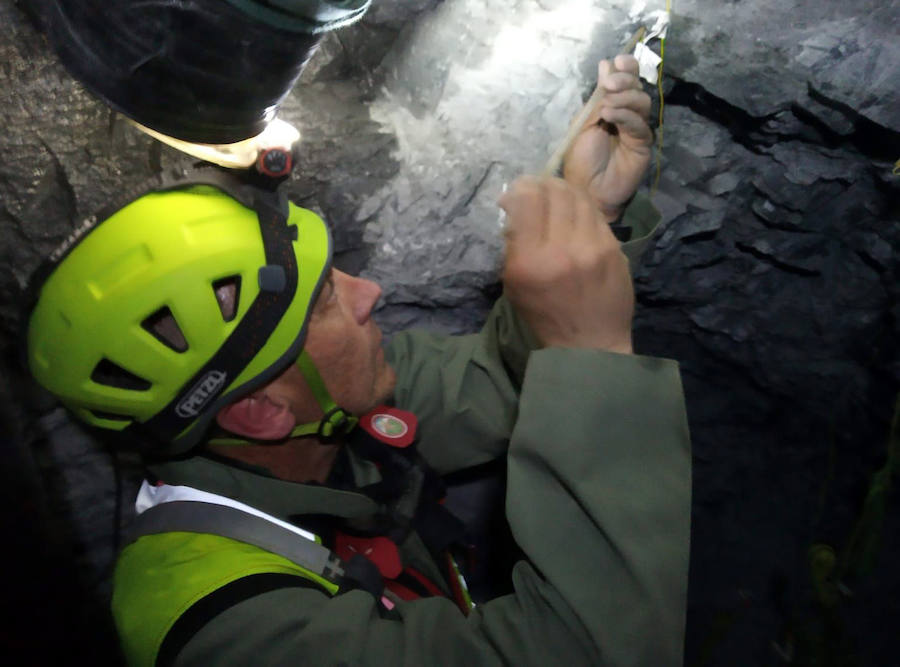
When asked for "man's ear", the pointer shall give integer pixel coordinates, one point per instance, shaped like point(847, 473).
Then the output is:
point(257, 417)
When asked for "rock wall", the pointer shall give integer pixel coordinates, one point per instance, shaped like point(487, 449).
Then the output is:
point(774, 280)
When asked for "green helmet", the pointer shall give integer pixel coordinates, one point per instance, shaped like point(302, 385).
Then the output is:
point(128, 331)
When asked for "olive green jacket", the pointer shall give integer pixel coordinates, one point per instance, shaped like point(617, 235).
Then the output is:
point(598, 498)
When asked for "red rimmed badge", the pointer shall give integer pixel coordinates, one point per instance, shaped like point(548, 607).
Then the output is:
point(391, 426)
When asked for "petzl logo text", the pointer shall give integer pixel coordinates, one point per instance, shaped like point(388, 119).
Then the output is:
point(204, 391)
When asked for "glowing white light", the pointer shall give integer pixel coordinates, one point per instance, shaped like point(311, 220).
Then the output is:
point(527, 44)
point(506, 52)
point(637, 9)
point(278, 134)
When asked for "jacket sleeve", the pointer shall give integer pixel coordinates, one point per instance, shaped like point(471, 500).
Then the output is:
point(598, 498)
point(465, 389)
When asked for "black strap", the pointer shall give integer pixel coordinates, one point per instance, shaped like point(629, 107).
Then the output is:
point(221, 599)
point(200, 517)
point(410, 492)
point(439, 529)
point(254, 329)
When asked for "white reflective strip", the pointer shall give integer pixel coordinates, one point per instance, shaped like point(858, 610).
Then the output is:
point(150, 496)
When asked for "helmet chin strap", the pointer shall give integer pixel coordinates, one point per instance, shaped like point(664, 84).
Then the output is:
point(335, 422)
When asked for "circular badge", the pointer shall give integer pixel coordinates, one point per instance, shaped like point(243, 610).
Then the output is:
point(389, 426)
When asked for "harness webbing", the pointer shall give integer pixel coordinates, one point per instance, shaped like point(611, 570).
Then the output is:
point(201, 517)
point(335, 421)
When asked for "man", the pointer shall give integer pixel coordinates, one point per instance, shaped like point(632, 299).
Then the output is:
point(280, 533)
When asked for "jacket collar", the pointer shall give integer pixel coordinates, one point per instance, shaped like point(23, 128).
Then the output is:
point(280, 498)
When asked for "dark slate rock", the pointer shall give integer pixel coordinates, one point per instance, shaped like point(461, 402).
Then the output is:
point(788, 125)
point(780, 191)
point(840, 120)
point(397, 13)
point(83, 483)
point(853, 60)
point(875, 248)
point(722, 183)
point(717, 320)
point(805, 254)
point(782, 337)
point(328, 62)
point(669, 199)
point(775, 216)
point(747, 55)
point(413, 121)
point(805, 164)
point(692, 224)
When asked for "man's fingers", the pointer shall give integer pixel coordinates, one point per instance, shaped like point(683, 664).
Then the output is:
point(629, 122)
point(620, 74)
point(627, 63)
point(635, 100)
point(611, 82)
point(525, 206)
point(604, 68)
point(574, 290)
point(619, 81)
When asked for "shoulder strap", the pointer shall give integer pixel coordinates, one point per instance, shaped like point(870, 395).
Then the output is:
point(201, 517)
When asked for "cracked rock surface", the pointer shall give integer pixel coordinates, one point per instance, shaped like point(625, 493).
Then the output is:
point(773, 280)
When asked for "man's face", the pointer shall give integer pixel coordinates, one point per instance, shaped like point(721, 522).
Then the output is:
point(345, 344)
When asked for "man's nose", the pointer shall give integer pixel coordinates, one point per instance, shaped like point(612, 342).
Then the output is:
point(364, 295)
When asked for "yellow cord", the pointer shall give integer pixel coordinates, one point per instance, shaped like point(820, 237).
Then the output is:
point(897, 168)
point(662, 106)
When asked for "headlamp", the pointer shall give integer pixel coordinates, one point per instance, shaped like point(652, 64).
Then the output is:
point(270, 150)
point(204, 71)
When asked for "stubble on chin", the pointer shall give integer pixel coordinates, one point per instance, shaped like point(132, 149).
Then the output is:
point(386, 381)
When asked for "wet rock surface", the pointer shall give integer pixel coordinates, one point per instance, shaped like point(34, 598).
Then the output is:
point(775, 292)
point(773, 280)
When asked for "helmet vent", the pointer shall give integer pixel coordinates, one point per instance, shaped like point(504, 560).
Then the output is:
point(112, 375)
point(228, 291)
point(165, 329)
point(110, 416)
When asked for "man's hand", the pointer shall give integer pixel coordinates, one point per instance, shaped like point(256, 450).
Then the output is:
point(612, 152)
point(564, 271)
